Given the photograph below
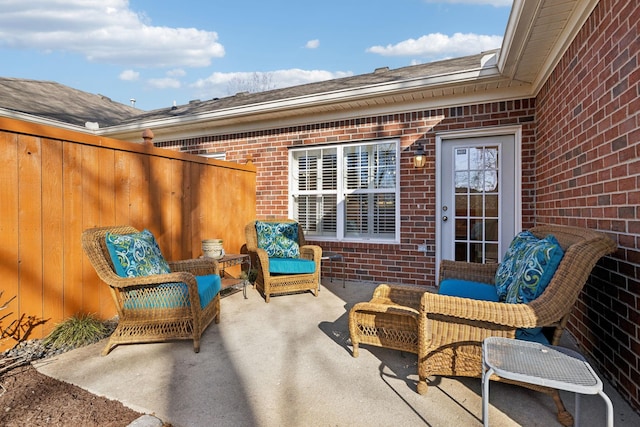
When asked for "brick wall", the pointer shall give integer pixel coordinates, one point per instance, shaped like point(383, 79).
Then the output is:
point(375, 262)
point(588, 174)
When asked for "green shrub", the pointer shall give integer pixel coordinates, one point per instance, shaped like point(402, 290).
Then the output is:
point(76, 331)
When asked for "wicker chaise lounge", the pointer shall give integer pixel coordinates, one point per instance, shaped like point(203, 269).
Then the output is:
point(158, 307)
point(269, 283)
point(446, 332)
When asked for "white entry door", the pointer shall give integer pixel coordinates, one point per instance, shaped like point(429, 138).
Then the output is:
point(479, 196)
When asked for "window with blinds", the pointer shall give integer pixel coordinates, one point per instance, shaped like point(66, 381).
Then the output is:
point(347, 191)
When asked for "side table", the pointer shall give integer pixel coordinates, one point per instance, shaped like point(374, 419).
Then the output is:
point(229, 260)
point(539, 364)
point(332, 257)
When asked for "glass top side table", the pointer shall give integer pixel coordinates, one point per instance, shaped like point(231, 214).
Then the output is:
point(332, 257)
point(229, 260)
point(539, 364)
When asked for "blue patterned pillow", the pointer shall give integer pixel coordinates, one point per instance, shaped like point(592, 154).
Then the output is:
point(535, 270)
point(507, 270)
point(136, 254)
point(279, 239)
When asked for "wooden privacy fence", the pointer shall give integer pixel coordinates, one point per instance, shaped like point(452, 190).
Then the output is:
point(55, 183)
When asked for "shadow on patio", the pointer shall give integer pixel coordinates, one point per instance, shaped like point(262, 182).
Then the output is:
point(289, 363)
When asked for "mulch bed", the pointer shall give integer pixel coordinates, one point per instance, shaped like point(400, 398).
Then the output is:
point(29, 398)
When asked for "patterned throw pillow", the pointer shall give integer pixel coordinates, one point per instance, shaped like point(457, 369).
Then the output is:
point(535, 270)
point(507, 270)
point(136, 254)
point(280, 240)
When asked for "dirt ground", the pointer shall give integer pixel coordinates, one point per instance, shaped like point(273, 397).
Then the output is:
point(29, 398)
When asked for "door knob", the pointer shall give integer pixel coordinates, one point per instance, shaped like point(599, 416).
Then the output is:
point(445, 218)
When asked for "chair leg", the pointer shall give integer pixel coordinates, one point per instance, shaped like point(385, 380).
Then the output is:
point(108, 348)
point(564, 417)
point(422, 386)
point(216, 319)
point(355, 349)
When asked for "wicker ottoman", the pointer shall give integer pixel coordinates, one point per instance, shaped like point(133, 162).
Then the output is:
point(389, 319)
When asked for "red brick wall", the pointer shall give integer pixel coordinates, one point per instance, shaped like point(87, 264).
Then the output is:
point(587, 160)
point(387, 263)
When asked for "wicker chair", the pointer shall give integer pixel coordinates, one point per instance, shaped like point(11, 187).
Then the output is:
point(150, 321)
point(447, 332)
point(268, 284)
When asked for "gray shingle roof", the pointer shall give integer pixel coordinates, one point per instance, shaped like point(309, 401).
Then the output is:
point(62, 103)
point(379, 76)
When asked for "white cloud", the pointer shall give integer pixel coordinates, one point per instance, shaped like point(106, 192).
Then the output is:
point(105, 31)
point(313, 44)
point(129, 75)
point(217, 84)
point(164, 83)
point(495, 3)
point(176, 72)
point(440, 45)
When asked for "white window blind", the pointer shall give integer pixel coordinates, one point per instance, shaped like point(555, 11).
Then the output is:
point(355, 198)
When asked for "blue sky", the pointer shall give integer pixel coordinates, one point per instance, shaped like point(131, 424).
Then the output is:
point(158, 51)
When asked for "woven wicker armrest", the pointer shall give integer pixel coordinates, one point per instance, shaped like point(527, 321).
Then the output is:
point(312, 252)
point(475, 272)
point(512, 315)
point(197, 267)
point(263, 259)
point(154, 279)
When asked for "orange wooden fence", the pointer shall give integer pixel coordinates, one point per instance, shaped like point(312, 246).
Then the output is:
point(55, 183)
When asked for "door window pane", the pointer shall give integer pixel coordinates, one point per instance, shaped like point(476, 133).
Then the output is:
point(462, 208)
point(476, 203)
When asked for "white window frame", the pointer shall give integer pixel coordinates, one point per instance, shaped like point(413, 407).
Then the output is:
point(220, 155)
point(342, 193)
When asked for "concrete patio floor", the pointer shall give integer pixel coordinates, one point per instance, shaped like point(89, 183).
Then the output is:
point(289, 363)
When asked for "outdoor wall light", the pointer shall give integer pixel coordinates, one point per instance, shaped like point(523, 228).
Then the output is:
point(419, 159)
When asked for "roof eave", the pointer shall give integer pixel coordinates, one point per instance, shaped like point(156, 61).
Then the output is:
point(487, 71)
point(43, 121)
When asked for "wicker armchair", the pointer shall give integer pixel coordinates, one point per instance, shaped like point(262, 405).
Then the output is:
point(269, 284)
point(153, 320)
point(447, 332)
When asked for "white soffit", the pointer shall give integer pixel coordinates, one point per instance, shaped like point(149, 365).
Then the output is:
point(538, 34)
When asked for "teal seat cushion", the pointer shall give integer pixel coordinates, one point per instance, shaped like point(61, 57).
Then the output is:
point(291, 266)
point(278, 239)
point(208, 288)
point(136, 254)
point(173, 295)
point(507, 269)
point(468, 289)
